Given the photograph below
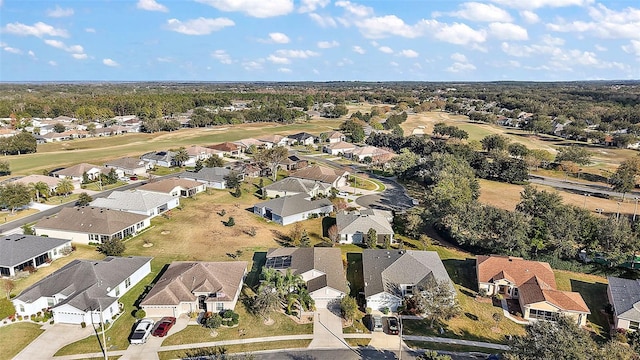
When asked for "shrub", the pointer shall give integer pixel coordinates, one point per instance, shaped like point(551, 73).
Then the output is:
point(139, 314)
point(230, 222)
point(385, 310)
point(83, 324)
point(499, 297)
point(51, 322)
point(368, 310)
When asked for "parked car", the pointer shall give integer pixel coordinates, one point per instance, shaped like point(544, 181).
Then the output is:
point(343, 193)
point(163, 326)
point(142, 332)
point(377, 323)
point(392, 325)
point(133, 178)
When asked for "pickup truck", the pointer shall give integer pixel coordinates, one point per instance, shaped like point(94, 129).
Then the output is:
point(142, 332)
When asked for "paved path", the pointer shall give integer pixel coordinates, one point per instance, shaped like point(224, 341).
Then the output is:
point(53, 339)
point(456, 342)
point(327, 331)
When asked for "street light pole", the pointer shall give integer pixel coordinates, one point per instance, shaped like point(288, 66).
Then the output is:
point(104, 340)
point(585, 200)
point(400, 322)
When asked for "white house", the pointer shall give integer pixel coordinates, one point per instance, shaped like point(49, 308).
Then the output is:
point(290, 209)
point(175, 187)
point(19, 252)
point(141, 202)
point(624, 297)
point(129, 166)
point(84, 290)
point(76, 172)
point(353, 226)
point(212, 177)
point(339, 148)
point(294, 186)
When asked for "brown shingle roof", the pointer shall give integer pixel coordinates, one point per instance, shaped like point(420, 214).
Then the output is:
point(90, 220)
point(78, 170)
point(318, 173)
point(166, 185)
point(517, 269)
point(535, 291)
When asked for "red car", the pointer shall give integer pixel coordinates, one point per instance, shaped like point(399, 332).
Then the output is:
point(163, 326)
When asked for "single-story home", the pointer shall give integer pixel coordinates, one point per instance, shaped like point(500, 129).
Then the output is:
point(227, 148)
point(247, 169)
point(293, 162)
point(244, 144)
point(91, 224)
point(141, 202)
point(353, 226)
point(624, 297)
point(274, 140)
point(129, 165)
point(334, 177)
point(160, 158)
point(174, 187)
point(211, 177)
point(377, 155)
point(533, 284)
point(187, 287)
point(290, 209)
point(76, 172)
point(302, 138)
point(84, 291)
point(391, 275)
point(52, 182)
point(333, 136)
point(18, 252)
point(321, 269)
point(294, 186)
point(339, 148)
point(196, 153)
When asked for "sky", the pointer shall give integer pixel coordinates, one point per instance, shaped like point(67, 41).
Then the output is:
point(319, 40)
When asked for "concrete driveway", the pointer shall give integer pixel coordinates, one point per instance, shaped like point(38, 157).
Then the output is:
point(394, 197)
point(149, 350)
point(327, 331)
point(53, 339)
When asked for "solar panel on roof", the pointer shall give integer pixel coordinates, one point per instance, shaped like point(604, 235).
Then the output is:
point(280, 262)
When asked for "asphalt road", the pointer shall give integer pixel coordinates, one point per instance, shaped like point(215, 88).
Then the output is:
point(580, 188)
point(54, 210)
point(346, 354)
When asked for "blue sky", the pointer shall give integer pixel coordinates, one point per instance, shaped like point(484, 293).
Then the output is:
point(319, 40)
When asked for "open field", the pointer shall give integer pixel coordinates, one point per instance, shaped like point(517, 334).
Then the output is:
point(15, 337)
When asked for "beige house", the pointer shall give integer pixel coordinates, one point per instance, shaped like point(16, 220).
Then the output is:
point(334, 177)
point(533, 284)
point(175, 187)
point(196, 287)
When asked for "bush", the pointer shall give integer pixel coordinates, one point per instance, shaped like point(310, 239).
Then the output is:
point(112, 247)
point(140, 314)
point(83, 324)
point(368, 310)
point(385, 310)
point(230, 222)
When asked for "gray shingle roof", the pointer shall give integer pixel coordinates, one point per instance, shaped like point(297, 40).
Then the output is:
point(215, 174)
point(132, 200)
point(79, 170)
point(86, 282)
point(291, 205)
point(125, 163)
point(295, 185)
point(626, 297)
point(90, 220)
point(326, 260)
point(384, 270)
point(16, 249)
point(353, 221)
point(159, 156)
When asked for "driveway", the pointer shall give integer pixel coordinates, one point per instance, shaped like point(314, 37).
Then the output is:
point(149, 350)
point(394, 197)
point(53, 339)
point(327, 330)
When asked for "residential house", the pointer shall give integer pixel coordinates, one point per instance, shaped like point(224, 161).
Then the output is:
point(19, 252)
point(212, 177)
point(174, 187)
point(339, 148)
point(187, 287)
point(227, 148)
point(302, 138)
point(533, 284)
point(141, 202)
point(391, 275)
point(624, 297)
point(84, 291)
point(129, 166)
point(7, 133)
point(334, 177)
point(353, 226)
point(91, 224)
point(160, 158)
point(51, 181)
point(294, 186)
point(321, 269)
point(333, 137)
point(247, 169)
point(54, 136)
point(290, 209)
point(274, 140)
point(293, 162)
point(200, 153)
point(376, 155)
point(76, 172)
point(244, 144)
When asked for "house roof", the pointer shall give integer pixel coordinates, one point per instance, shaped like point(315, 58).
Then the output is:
point(384, 270)
point(214, 174)
point(291, 160)
point(300, 260)
point(248, 142)
point(295, 185)
point(351, 222)
point(49, 180)
point(274, 139)
point(291, 205)
point(370, 151)
point(319, 173)
point(16, 249)
point(181, 279)
point(125, 163)
point(625, 295)
point(535, 290)
point(334, 135)
point(85, 282)
point(90, 220)
point(77, 170)
point(301, 136)
point(132, 200)
point(195, 150)
point(515, 269)
point(159, 156)
point(341, 145)
point(167, 185)
point(225, 146)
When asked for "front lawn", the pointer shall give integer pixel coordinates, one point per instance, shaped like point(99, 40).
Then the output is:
point(15, 337)
point(6, 308)
point(243, 348)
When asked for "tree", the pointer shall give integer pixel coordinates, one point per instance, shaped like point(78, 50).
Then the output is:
point(372, 238)
point(59, 128)
point(14, 195)
point(349, 308)
point(574, 153)
point(181, 156)
point(518, 150)
point(233, 179)
point(27, 230)
point(231, 222)
point(333, 233)
point(296, 234)
point(432, 355)
point(112, 247)
point(623, 180)
point(271, 158)
point(213, 322)
point(387, 241)
point(494, 142)
point(304, 239)
point(214, 161)
point(354, 129)
point(40, 189)
point(4, 168)
point(84, 199)
point(437, 301)
point(8, 285)
point(199, 165)
point(264, 303)
point(65, 187)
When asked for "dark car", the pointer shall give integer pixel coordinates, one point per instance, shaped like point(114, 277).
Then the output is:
point(133, 178)
point(392, 324)
point(163, 326)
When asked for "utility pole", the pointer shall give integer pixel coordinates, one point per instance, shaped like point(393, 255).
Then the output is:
point(104, 340)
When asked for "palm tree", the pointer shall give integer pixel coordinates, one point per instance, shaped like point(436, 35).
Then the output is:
point(181, 156)
point(292, 299)
point(65, 186)
point(292, 282)
point(306, 301)
point(40, 189)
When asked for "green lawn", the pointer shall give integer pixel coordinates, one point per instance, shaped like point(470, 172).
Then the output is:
point(15, 337)
point(354, 273)
point(356, 342)
point(6, 308)
point(244, 348)
point(449, 347)
point(96, 186)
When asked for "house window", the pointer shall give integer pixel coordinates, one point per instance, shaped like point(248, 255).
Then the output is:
point(118, 291)
point(408, 290)
point(21, 308)
point(127, 283)
point(633, 325)
point(543, 315)
point(51, 302)
point(219, 306)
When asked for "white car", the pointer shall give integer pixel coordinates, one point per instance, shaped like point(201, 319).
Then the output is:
point(343, 193)
point(142, 332)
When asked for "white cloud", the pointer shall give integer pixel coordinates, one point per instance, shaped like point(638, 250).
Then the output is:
point(508, 31)
point(79, 56)
point(355, 9)
point(344, 62)
point(461, 64)
point(632, 48)
point(76, 49)
point(386, 49)
point(32, 54)
point(311, 5)
point(12, 50)
point(278, 59)
point(52, 63)
point(59, 12)
point(38, 29)
point(600, 47)
point(296, 54)
point(253, 8)
point(393, 63)
point(409, 53)
point(252, 65)
point(110, 62)
point(457, 57)
point(536, 4)
point(328, 44)
point(460, 34)
point(284, 70)
point(164, 59)
point(323, 21)
point(278, 38)
point(151, 5)
point(605, 24)
point(385, 26)
point(199, 26)
point(90, 30)
point(359, 50)
point(529, 16)
point(482, 12)
point(222, 56)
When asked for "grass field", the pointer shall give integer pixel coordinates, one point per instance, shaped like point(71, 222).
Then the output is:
point(244, 348)
point(15, 337)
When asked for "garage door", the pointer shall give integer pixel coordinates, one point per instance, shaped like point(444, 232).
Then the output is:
point(68, 318)
point(325, 303)
point(159, 311)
